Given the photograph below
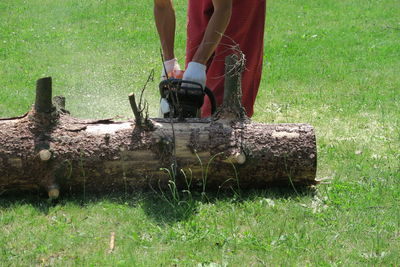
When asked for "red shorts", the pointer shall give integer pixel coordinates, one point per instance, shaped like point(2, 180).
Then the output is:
point(245, 29)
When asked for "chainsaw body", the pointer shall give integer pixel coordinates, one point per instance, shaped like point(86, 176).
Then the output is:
point(185, 98)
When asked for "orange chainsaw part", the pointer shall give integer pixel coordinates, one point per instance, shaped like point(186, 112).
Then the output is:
point(177, 74)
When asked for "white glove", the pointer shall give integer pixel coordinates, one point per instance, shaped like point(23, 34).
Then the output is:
point(195, 72)
point(170, 66)
point(164, 107)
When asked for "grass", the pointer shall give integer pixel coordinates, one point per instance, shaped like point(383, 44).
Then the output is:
point(333, 64)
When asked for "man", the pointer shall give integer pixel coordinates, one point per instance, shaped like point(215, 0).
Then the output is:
point(215, 28)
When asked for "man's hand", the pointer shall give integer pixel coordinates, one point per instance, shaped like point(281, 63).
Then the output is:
point(169, 67)
point(195, 72)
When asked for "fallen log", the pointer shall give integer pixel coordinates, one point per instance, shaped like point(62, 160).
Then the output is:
point(49, 149)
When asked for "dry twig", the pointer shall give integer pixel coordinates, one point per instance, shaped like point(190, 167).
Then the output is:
point(112, 242)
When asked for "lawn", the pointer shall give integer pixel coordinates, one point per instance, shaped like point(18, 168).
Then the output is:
point(333, 64)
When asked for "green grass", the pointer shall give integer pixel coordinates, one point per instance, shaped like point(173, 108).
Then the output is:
point(333, 64)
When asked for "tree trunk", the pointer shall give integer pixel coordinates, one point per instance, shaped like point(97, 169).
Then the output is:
point(103, 155)
point(48, 149)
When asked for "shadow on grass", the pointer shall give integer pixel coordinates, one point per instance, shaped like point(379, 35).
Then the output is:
point(37, 200)
point(170, 211)
point(159, 206)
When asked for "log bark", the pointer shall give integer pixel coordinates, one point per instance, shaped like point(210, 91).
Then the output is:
point(103, 155)
point(232, 106)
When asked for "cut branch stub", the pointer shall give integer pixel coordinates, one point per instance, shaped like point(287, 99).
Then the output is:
point(44, 155)
point(53, 191)
point(43, 101)
point(232, 104)
point(236, 158)
point(135, 109)
point(141, 121)
point(59, 104)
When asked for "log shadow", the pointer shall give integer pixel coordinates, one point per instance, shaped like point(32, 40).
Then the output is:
point(37, 200)
point(168, 211)
point(42, 204)
point(161, 209)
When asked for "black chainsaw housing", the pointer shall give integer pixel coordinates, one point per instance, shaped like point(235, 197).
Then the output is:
point(185, 98)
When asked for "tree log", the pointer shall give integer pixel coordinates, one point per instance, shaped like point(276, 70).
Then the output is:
point(103, 155)
point(49, 149)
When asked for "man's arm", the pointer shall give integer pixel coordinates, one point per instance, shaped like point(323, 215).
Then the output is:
point(215, 29)
point(164, 14)
point(196, 69)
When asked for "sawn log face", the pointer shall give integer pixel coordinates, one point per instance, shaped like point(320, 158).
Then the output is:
point(105, 155)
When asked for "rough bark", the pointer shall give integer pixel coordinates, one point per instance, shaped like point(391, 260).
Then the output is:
point(232, 106)
point(104, 155)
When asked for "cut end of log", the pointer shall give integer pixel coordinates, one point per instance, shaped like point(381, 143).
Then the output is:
point(237, 158)
point(53, 193)
point(240, 158)
point(44, 155)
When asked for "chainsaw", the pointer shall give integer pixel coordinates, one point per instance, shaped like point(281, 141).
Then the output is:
point(185, 98)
